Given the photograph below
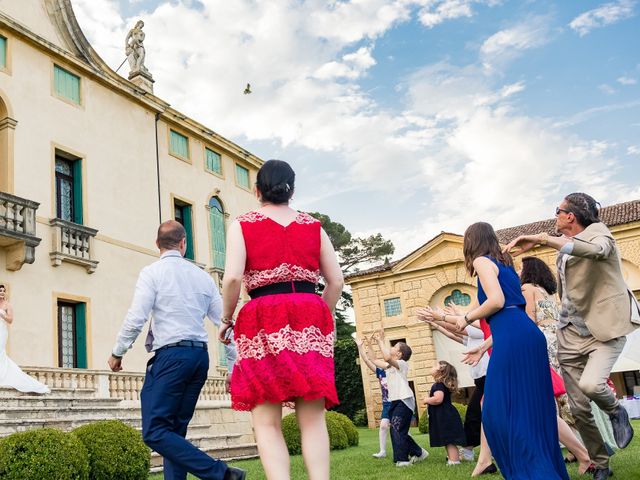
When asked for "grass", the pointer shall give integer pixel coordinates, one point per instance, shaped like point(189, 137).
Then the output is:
point(357, 463)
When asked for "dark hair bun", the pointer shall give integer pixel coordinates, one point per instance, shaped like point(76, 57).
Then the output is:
point(276, 181)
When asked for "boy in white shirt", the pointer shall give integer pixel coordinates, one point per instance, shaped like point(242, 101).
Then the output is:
point(405, 449)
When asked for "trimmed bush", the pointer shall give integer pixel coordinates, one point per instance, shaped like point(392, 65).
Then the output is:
point(291, 433)
point(462, 410)
point(423, 423)
point(342, 432)
point(115, 451)
point(43, 454)
point(337, 436)
point(349, 428)
point(360, 418)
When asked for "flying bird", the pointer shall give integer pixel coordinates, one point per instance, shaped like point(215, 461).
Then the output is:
point(247, 90)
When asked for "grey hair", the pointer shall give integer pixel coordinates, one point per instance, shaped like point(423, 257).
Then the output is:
point(585, 208)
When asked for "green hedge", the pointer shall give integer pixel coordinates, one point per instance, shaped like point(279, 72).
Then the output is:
point(342, 432)
point(350, 430)
point(423, 423)
point(43, 454)
point(116, 451)
point(348, 377)
point(360, 418)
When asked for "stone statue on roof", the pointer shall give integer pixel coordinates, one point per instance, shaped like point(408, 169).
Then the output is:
point(134, 49)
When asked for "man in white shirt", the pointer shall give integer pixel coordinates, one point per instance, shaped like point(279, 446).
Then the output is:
point(179, 295)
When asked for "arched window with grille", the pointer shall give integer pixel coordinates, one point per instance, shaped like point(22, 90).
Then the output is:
point(217, 230)
point(458, 298)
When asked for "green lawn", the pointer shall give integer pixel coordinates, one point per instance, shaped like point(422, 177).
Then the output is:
point(357, 463)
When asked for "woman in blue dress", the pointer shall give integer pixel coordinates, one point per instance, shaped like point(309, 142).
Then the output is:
point(519, 412)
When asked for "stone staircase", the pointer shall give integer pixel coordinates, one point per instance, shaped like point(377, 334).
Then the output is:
point(215, 428)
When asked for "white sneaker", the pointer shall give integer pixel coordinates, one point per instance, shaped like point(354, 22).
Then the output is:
point(403, 464)
point(423, 456)
point(449, 463)
point(380, 455)
point(467, 454)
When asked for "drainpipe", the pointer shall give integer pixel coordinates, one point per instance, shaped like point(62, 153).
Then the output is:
point(158, 171)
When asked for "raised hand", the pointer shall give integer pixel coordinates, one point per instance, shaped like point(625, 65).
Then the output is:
point(521, 244)
point(358, 341)
point(452, 309)
point(472, 357)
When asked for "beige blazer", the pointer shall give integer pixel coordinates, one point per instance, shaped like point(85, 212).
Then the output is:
point(595, 284)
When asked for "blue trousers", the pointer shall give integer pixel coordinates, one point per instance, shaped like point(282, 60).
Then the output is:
point(168, 399)
point(403, 444)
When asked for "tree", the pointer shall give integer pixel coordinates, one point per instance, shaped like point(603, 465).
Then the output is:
point(352, 253)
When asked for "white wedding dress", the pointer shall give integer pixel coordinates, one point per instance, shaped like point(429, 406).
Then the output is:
point(10, 374)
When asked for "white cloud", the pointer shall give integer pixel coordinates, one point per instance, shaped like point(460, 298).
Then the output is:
point(627, 80)
point(435, 12)
point(606, 89)
point(512, 42)
point(633, 150)
point(602, 16)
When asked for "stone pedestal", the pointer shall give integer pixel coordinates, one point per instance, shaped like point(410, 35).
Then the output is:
point(144, 80)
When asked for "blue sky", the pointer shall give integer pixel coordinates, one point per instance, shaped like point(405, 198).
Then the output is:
point(407, 117)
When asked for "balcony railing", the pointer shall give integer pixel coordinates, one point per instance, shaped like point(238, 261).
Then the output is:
point(18, 229)
point(72, 243)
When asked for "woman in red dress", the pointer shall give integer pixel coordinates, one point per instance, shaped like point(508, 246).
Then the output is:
point(284, 335)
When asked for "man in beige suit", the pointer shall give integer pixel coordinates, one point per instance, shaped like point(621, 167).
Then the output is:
point(595, 317)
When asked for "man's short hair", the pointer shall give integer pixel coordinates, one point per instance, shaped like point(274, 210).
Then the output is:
point(170, 234)
point(405, 350)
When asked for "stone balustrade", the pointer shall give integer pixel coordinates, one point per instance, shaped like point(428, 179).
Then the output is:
point(72, 243)
point(18, 229)
point(121, 385)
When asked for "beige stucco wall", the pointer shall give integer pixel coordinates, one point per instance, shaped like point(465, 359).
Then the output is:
point(114, 135)
point(427, 277)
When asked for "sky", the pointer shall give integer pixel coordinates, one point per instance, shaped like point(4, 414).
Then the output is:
point(405, 117)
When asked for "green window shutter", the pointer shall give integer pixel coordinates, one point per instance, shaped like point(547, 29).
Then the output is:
point(188, 226)
point(77, 192)
point(216, 223)
point(178, 144)
point(3, 52)
point(214, 161)
point(242, 176)
point(67, 84)
point(81, 335)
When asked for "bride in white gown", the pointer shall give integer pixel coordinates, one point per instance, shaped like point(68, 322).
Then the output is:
point(10, 374)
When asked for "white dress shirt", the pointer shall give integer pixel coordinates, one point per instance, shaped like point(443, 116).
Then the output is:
point(178, 295)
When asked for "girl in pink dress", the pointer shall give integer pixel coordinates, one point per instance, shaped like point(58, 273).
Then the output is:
point(284, 335)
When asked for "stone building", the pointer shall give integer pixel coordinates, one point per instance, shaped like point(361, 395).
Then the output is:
point(387, 296)
point(90, 164)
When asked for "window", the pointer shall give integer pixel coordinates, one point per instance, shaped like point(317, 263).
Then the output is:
point(458, 298)
point(396, 340)
point(216, 224)
point(392, 307)
point(182, 215)
point(178, 144)
point(66, 84)
point(242, 176)
point(3, 52)
point(213, 161)
point(68, 189)
point(72, 335)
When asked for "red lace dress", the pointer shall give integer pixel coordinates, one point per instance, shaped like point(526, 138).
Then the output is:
point(284, 341)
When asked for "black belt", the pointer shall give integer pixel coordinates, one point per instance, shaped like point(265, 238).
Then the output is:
point(283, 287)
point(186, 343)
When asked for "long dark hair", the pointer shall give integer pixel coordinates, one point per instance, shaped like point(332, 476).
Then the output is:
point(536, 272)
point(479, 240)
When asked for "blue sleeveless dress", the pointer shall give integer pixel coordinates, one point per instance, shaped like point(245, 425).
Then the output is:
point(519, 411)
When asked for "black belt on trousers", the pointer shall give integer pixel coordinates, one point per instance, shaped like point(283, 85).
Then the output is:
point(186, 343)
point(283, 287)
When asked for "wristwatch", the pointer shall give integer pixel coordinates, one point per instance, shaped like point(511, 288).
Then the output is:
point(466, 319)
point(227, 320)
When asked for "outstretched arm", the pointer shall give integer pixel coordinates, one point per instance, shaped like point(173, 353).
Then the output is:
point(235, 261)
point(386, 351)
point(363, 351)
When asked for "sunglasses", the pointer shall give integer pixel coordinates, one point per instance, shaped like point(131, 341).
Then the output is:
point(558, 210)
